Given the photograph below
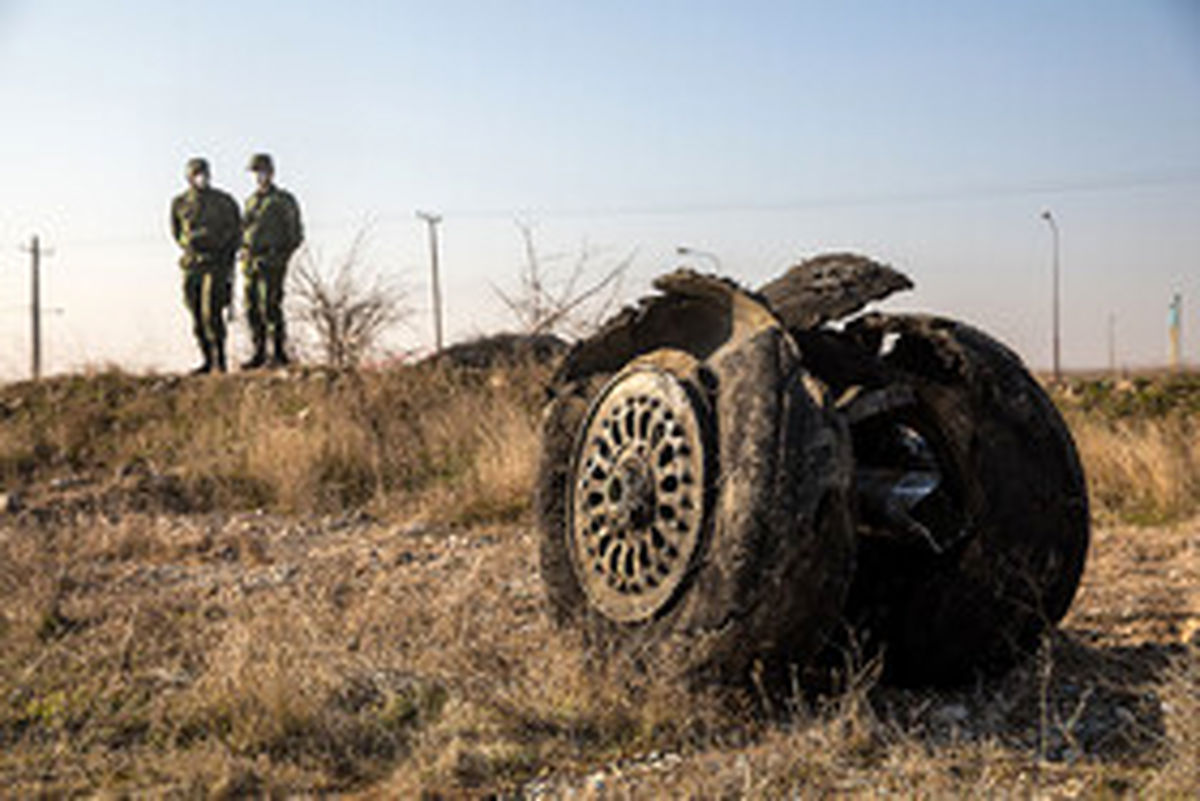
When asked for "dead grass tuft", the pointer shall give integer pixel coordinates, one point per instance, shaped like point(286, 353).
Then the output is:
point(306, 442)
point(1140, 470)
point(1179, 776)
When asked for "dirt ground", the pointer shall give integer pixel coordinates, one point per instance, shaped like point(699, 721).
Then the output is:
point(246, 654)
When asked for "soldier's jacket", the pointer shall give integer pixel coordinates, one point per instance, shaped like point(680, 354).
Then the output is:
point(272, 228)
point(206, 224)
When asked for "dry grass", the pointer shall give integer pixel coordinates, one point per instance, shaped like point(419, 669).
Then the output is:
point(447, 441)
point(250, 654)
point(1179, 776)
point(1142, 470)
point(332, 587)
point(301, 443)
point(1140, 445)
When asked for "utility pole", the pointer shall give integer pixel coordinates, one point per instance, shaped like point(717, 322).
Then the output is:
point(35, 305)
point(1175, 331)
point(432, 220)
point(1112, 343)
point(1049, 218)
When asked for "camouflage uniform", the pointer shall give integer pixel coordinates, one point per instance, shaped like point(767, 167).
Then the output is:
point(206, 224)
point(271, 234)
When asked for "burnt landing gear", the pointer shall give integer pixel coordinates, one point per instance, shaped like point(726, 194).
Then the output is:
point(727, 480)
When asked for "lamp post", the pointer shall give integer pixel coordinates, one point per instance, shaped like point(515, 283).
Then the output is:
point(684, 250)
point(1049, 218)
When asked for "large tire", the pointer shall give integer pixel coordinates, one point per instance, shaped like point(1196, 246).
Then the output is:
point(1013, 517)
point(768, 569)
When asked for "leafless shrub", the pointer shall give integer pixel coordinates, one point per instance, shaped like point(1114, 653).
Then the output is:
point(346, 309)
point(570, 302)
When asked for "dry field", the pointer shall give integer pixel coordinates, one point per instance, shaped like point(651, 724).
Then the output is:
point(327, 583)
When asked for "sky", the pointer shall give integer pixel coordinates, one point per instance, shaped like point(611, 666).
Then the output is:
point(927, 135)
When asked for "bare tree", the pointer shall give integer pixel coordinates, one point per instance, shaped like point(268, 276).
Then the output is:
point(548, 300)
point(345, 309)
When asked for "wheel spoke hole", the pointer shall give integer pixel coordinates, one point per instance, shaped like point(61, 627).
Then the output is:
point(656, 434)
point(657, 539)
point(666, 455)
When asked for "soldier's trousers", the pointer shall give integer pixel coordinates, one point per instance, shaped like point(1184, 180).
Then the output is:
point(206, 291)
point(264, 302)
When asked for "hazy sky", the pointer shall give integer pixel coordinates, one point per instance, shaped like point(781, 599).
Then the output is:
point(929, 135)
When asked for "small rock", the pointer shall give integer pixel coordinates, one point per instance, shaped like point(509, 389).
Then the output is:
point(267, 578)
point(68, 482)
point(11, 502)
point(138, 467)
point(418, 528)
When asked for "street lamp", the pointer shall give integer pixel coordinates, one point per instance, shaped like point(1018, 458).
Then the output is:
point(1049, 218)
point(684, 250)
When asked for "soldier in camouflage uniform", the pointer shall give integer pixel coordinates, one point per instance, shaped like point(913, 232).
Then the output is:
point(271, 234)
point(206, 224)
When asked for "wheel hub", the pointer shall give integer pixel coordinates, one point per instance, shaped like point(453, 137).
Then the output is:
point(631, 494)
point(637, 494)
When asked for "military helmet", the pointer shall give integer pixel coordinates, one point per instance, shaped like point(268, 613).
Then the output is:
point(260, 162)
point(197, 164)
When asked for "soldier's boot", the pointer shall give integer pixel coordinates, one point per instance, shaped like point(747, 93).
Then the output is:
point(207, 365)
point(280, 359)
point(219, 357)
point(260, 355)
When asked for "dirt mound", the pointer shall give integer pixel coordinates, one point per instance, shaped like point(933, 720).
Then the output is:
point(503, 350)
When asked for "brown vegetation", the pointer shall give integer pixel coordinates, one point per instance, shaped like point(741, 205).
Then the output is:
point(343, 311)
point(301, 442)
point(1141, 470)
point(326, 582)
point(1140, 445)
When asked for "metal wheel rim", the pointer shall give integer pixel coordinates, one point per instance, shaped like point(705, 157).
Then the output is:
point(637, 493)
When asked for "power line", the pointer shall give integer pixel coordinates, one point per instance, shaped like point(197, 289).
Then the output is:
point(1188, 176)
point(1185, 176)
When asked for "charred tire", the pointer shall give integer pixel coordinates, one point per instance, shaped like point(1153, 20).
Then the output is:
point(769, 565)
point(1020, 506)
